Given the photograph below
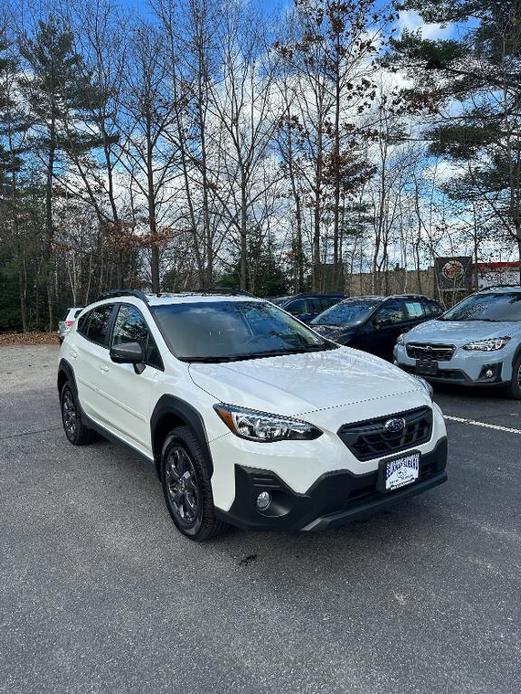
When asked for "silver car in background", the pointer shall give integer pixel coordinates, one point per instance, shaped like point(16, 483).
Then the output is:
point(477, 342)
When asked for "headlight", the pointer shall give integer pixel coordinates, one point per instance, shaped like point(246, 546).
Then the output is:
point(491, 345)
point(426, 385)
point(264, 427)
point(401, 339)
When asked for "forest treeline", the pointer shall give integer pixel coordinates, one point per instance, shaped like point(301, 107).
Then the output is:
point(198, 143)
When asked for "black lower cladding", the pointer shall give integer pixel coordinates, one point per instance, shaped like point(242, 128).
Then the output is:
point(334, 499)
point(457, 376)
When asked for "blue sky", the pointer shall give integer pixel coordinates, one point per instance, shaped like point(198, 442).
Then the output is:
point(409, 20)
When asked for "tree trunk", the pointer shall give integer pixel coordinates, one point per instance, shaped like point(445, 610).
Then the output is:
point(244, 239)
point(49, 224)
point(152, 220)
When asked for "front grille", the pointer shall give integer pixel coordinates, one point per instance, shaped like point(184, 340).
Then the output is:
point(370, 439)
point(434, 352)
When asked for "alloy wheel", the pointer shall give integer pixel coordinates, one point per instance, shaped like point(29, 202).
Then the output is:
point(182, 487)
point(70, 416)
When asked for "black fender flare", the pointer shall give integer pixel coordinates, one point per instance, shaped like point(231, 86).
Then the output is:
point(65, 367)
point(170, 406)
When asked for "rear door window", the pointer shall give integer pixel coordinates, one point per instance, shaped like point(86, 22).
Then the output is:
point(99, 320)
point(83, 324)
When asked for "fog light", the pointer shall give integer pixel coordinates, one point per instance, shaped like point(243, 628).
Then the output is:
point(489, 373)
point(263, 501)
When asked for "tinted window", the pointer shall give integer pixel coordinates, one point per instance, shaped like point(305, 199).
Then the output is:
point(432, 308)
point(491, 306)
point(391, 312)
point(324, 302)
point(316, 305)
point(327, 303)
point(99, 319)
point(348, 311)
point(415, 309)
point(298, 307)
point(83, 324)
point(279, 301)
point(228, 330)
point(130, 326)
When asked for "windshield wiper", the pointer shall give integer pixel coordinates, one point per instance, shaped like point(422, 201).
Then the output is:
point(208, 360)
point(259, 355)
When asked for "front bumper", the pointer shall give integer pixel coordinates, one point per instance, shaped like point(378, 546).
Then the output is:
point(333, 500)
point(465, 368)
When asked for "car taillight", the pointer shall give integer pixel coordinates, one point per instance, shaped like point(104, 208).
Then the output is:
point(68, 323)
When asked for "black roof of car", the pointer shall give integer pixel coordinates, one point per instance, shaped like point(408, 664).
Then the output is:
point(308, 295)
point(379, 297)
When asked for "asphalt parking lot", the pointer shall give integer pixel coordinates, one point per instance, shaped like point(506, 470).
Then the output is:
point(99, 593)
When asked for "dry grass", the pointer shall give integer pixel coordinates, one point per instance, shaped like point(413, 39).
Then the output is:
point(31, 338)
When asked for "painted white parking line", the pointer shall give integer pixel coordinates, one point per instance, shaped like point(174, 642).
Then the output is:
point(484, 425)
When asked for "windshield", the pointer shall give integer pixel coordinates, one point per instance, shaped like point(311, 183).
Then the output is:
point(492, 306)
point(350, 311)
point(231, 330)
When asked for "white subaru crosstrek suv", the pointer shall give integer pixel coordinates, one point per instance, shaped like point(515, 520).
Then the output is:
point(250, 417)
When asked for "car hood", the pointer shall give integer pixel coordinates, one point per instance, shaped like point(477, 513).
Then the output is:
point(300, 383)
point(460, 333)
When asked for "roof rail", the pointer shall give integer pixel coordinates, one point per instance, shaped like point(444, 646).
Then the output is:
point(222, 290)
point(498, 286)
point(113, 293)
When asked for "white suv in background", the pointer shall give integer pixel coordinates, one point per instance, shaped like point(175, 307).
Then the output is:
point(65, 325)
point(250, 417)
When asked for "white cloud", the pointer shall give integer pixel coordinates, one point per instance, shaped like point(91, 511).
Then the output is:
point(410, 20)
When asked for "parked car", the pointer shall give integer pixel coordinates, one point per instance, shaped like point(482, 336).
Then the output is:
point(373, 323)
point(478, 342)
point(65, 325)
point(249, 416)
point(307, 306)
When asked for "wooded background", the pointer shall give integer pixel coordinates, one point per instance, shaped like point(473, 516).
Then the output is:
point(200, 142)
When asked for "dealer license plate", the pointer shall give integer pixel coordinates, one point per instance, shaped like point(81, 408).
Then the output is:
point(400, 472)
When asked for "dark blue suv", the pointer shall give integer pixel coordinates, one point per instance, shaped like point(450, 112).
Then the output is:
point(305, 307)
point(374, 323)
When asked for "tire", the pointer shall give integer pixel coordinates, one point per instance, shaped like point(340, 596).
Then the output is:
point(185, 478)
point(514, 389)
point(75, 431)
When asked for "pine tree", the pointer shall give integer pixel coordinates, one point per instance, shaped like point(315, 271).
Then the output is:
point(471, 87)
point(60, 94)
point(13, 126)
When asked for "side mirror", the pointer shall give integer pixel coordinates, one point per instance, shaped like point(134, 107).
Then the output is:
point(128, 353)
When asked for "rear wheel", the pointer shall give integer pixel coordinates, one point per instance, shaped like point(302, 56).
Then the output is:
point(185, 479)
point(77, 433)
point(514, 389)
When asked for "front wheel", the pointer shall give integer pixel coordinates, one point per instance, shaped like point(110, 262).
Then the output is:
point(186, 485)
point(514, 389)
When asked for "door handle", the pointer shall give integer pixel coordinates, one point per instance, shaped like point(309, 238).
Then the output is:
point(104, 369)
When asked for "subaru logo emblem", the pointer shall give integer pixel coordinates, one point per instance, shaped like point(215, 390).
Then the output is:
point(394, 426)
